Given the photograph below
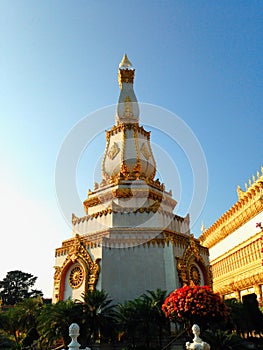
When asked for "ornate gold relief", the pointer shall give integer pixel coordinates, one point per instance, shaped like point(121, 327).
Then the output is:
point(195, 276)
point(76, 276)
point(94, 274)
point(125, 76)
point(86, 269)
point(145, 151)
point(128, 107)
point(186, 266)
point(114, 150)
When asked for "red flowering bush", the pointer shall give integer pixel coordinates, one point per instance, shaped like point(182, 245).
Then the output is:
point(196, 304)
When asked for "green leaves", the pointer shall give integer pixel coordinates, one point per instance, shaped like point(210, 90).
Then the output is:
point(142, 319)
point(16, 286)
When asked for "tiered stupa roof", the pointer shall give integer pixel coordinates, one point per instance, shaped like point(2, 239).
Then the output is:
point(128, 184)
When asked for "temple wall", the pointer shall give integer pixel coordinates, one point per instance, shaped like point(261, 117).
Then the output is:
point(240, 235)
point(129, 272)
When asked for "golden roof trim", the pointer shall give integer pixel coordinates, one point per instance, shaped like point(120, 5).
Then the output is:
point(138, 236)
point(127, 126)
point(249, 204)
point(237, 248)
point(122, 210)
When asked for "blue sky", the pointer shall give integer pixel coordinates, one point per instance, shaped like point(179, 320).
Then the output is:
point(201, 60)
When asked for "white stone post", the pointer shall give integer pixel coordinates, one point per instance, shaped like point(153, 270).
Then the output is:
point(74, 333)
point(198, 343)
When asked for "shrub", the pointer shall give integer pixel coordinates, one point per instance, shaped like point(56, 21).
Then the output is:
point(198, 304)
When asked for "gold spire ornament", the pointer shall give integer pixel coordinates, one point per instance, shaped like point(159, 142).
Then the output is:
point(125, 62)
point(126, 71)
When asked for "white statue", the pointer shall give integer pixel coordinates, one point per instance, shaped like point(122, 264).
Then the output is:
point(74, 333)
point(197, 344)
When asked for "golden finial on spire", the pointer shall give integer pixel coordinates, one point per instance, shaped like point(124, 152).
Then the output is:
point(125, 62)
point(126, 71)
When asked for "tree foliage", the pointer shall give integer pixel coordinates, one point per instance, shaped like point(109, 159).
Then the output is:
point(16, 286)
point(198, 304)
point(98, 315)
point(55, 319)
point(141, 320)
point(20, 322)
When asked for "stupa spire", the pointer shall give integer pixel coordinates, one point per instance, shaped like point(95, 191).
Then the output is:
point(125, 62)
point(128, 154)
point(127, 108)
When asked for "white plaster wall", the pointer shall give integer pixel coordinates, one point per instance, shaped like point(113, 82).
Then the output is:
point(240, 235)
point(246, 292)
point(127, 90)
point(145, 220)
point(59, 260)
point(112, 166)
point(128, 273)
point(93, 225)
point(171, 275)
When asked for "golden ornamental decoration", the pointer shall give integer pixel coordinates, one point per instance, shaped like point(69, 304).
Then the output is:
point(186, 273)
point(90, 269)
point(128, 107)
point(195, 275)
point(125, 76)
point(76, 277)
point(125, 62)
point(94, 274)
point(114, 150)
point(145, 151)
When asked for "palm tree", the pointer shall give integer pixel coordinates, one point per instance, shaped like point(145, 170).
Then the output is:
point(128, 320)
point(98, 315)
point(146, 327)
point(55, 319)
point(6, 342)
point(139, 319)
point(155, 300)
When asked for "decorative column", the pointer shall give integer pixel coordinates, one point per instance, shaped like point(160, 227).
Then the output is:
point(237, 294)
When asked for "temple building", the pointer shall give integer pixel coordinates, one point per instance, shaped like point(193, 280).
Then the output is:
point(235, 244)
point(129, 239)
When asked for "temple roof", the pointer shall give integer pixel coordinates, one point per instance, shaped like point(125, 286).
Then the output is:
point(249, 204)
